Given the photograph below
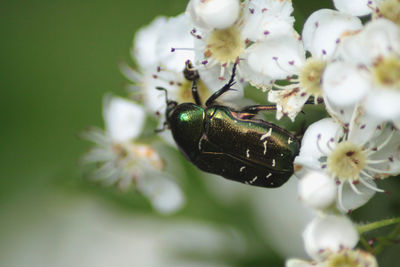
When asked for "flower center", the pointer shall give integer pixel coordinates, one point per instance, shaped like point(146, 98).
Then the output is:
point(390, 9)
point(351, 258)
point(225, 45)
point(185, 92)
point(346, 161)
point(310, 76)
point(148, 154)
point(343, 260)
point(386, 72)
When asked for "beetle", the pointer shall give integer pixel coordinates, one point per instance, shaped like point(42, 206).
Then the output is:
point(229, 142)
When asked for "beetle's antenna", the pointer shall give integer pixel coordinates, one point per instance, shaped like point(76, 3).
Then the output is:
point(166, 93)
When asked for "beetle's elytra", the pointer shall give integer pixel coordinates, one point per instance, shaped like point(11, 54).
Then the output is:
point(231, 143)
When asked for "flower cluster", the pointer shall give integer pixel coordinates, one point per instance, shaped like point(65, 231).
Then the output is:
point(349, 66)
point(121, 159)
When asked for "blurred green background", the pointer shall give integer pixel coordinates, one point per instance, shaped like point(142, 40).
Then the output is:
point(58, 59)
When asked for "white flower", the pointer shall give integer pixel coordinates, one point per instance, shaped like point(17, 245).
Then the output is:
point(329, 234)
point(368, 71)
point(120, 159)
point(160, 67)
point(329, 240)
point(261, 25)
point(322, 33)
point(388, 9)
point(344, 257)
point(353, 155)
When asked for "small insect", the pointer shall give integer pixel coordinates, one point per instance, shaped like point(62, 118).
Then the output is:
point(228, 142)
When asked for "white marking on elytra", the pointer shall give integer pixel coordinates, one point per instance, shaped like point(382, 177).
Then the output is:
point(268, 134)
point(246, 182)
point(289, 141)
point(248, 153)
point(265, 147)
point(254, 179)
point(272, 183)
point(242, 168)
point(269, 175)
point(281, 154)
point(273, 163)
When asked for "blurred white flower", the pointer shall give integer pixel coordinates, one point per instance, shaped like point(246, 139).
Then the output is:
point(344, 257)
point(329, 234)
point(121, 160)
point(253, 40)
point(322, 33)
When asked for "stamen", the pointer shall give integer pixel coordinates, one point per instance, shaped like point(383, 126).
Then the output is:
point(173, 49)
point(340, 196)
point(283, 69)
point(370, 186)
point(378, 161)
point(328, 144)
point(353, 186)
point(377, 170)
point(222, 71)
point(354, 114)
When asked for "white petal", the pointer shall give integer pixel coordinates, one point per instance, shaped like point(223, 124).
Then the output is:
point(379, 38)
point(145, 41)
point(351, 200)
point(261, 81)
point(277, 58)
point(288, 102)
point(324, 28)
point(384, 104)
point(175, 33)
point(213, 14)
point(266, 19)
point(317, 190)
point(316, 138)
point(299, 263)
point(330, 232)
point(165, 196)
point(154, 99)
point(354, 7)
point(362, 127)
point(124, 119)
point(345, 84)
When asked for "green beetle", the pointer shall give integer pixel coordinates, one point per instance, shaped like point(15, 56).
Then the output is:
point(231, 143)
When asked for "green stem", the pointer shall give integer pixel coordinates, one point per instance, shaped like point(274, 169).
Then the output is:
point(365, 243)
point(375, 225)
point(390, 239)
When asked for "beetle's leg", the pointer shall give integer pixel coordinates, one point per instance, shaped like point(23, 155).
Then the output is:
point(250, 111)
point(225, 88)
point(165, 91)
point(192, 75)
